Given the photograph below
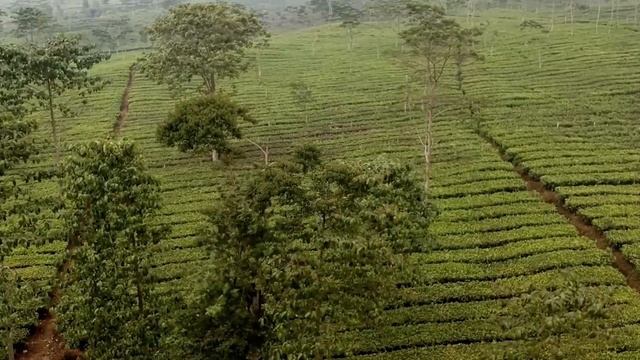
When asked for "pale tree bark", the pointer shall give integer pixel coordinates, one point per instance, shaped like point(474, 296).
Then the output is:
point(9, 346)
point(553, 16)
point(613, 6)
point(539, 59)
point(313, 44)
point(598, 18)
point(214, 155)
point(407, 94)
point(258, 64)
point(571, 5)
point(264, 150)
point(429, 104)
point(54, 125)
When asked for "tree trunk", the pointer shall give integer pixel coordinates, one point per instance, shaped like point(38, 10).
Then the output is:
point(553, 16)
point(9, 346)
point(266, 156)
point(210, 84)
point(258, 66)
point(139, 293)
point(54, 126)
point(428, 147)
point(539, 59)
point(254, 303)
point(214, 155)
point(430, 104)
point(140, 297)
point(598, 18)
point(613, 6)
point(571, 9)
point(397, 30)
point(407, 95)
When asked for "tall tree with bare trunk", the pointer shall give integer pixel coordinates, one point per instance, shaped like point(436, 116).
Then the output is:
point(432, 39)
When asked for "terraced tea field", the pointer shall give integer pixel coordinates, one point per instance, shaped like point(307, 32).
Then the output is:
point(563, 109)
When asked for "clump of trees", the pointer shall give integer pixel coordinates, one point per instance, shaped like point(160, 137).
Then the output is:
point(298, 252)
point(204, 124)
point(208, 42)
point(111, 33)
point(204, 41)
point(109, 202)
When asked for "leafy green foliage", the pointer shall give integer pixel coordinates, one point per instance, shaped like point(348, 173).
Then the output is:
point(570, 310)
point(207, 41)
point(303, 96)
point(431, 37)
point(15, 92)
point(112, 32)
point(62, 64)
point(110, 201)
point(465, 51)
point(17, 302)
point(17, 306)
point(30, 21)
point(296, 256)
point(204, 124)
point(307, 156)
point(530, 24)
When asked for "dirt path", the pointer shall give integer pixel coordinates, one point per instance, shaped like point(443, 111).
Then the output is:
point(124, 105)
point(45, 343)
point(581, 223)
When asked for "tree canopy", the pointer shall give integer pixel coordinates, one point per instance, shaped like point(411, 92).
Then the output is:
point(110, 201)
point(62, 64)
point(297, 253)
point(29, 21)
point(204, 41)
point(204, 124)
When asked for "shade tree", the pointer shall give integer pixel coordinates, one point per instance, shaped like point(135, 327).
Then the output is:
point(208, 42)
point(204, 125)
point(60, 66)
point(29, 22)
point(349, 17)
point(434, 41)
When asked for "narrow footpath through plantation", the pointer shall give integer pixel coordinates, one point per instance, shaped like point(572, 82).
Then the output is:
point(124, 104)
point(581, 223)
point(44, 341)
